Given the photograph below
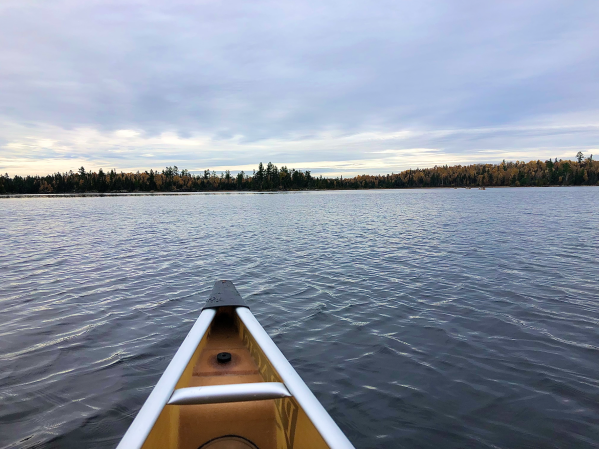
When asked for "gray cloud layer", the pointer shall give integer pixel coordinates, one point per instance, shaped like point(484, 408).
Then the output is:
point(255, 80)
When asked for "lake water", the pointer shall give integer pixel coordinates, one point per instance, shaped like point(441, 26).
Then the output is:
point(419, 318)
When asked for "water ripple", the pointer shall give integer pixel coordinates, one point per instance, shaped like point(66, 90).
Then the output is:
point(423, 318)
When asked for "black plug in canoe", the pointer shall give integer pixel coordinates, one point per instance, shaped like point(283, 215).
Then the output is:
point(230, 387)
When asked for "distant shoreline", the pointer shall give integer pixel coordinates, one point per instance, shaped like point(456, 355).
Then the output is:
point(252, 192)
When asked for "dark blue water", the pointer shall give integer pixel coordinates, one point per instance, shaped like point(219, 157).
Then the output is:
point(420, 318)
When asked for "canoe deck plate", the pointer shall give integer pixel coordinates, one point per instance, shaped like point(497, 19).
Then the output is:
point(224, 294)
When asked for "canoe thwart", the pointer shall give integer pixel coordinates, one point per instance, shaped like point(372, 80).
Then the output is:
point(217, 394)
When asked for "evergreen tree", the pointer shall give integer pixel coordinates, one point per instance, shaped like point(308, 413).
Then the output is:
point(260, 177)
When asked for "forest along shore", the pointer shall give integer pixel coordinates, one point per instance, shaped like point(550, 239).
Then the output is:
point(582, 171)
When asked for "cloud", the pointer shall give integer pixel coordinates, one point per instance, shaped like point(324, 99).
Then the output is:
point(29, 151)
point(133, 83)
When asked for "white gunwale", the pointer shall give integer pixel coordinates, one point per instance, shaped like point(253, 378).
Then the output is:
point(143, 423)
point(323, 422)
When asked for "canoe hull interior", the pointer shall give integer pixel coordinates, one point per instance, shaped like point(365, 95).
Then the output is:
point(264, 424)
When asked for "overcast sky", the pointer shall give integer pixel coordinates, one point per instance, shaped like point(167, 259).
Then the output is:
point(338, 87)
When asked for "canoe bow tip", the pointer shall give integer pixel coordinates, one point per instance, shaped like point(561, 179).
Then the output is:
point(224, 294)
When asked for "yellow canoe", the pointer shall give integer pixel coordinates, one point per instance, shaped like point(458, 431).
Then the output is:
point(230, 387)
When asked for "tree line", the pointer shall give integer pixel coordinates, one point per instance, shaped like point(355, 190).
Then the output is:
point(581, 171)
